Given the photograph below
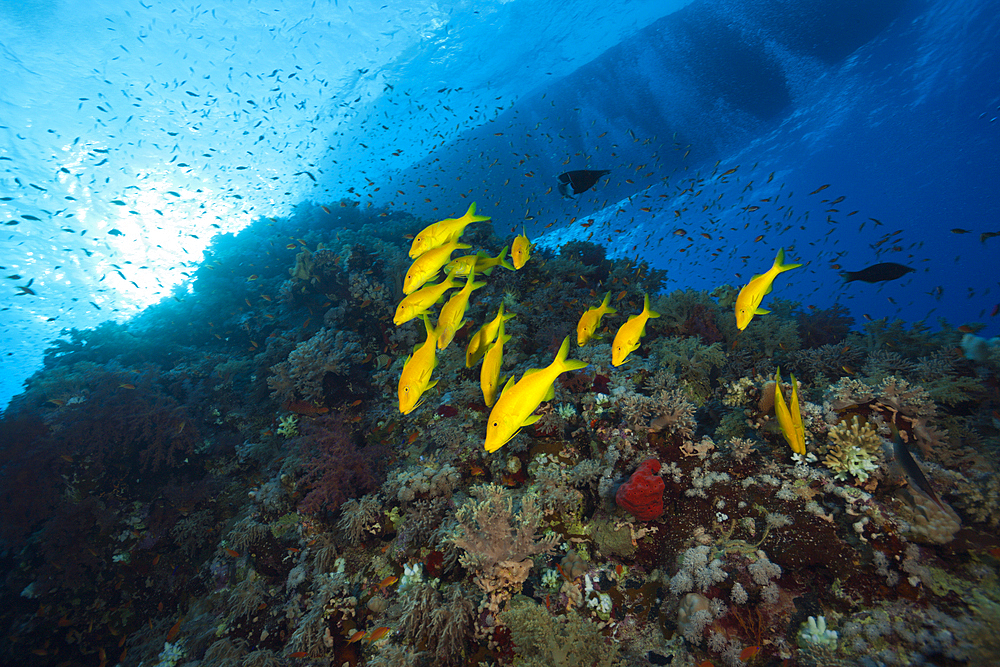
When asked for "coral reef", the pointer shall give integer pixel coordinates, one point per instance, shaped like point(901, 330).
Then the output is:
point(228, 477)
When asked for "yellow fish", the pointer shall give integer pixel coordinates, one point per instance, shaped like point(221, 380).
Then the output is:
point(489, 375)
point(416, 376)
point(420, 302)
point(452, 315)
point(627, 339)
point(425, 268)
point(443, 232)
point(790, 420)
point(513, 410)
point(483, 337)
point(749, 298)
point(520, 250)
point(591, 319)
point(480, 263)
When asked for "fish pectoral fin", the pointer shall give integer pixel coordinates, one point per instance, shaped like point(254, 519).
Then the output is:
point(550, 394)
point(530, 420)
point(761, 311)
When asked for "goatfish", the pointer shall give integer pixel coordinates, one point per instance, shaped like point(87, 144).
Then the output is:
point(749, 298)
point(480, 263)
point(485, 335)
point(443, 232)
point(518, 401)
point(789, 418)
point(489, 374)
point(590, 320)
point(426, 267)
point(452, 315)
point(909, 465)
point(520, 250)
point(627, 339)
point(420, 302)
point(416, 376)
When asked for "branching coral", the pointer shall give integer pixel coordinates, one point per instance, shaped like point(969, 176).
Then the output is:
point(854, 450)
point(543, 640)
point(498, 542)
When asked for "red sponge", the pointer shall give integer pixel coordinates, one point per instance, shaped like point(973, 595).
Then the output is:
point(642, 494)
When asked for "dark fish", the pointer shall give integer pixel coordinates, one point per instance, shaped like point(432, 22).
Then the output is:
point(115, 232)
point(913, 471)
point(581, 180)
point(877, 273)
point(987, 235)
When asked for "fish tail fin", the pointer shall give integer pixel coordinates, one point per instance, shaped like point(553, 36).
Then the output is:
point(848, 276)
point(562, 363)
point(779, 262)
point(471, 214)
point(503, 259)
point(645, 306)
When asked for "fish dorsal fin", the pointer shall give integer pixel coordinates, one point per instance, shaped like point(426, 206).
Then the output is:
point(510, 383)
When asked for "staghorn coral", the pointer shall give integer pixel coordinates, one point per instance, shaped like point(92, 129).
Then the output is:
point(303, 374)
point(854, 450)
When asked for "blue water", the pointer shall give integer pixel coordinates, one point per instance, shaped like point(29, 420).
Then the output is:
point(896, 112)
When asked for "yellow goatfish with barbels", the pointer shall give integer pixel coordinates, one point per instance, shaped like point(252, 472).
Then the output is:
point(517, 403)
point(789, 417)
point(627, 339)
point(452, 315)
point(418, 303)
point(426, 267)
point(489, 374)
point(416, 376)
point(749, 298)
point(520, 250)
point(591, 320)
point(444, 232)
point(485, 335)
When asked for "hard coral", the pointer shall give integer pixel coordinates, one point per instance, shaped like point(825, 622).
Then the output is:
point(642, 494)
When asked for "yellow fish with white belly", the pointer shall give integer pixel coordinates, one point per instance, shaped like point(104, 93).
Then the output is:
point(426, 267)
point(590, 320)
point(444, 232)
point(452, 315)
point(420, 302)
point(416, 376)
point(749, 298)
point(485, 335)
point(518, 401)
point(627, 339)
point(489, 374)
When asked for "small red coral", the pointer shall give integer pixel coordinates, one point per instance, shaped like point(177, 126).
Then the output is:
point(642, 494)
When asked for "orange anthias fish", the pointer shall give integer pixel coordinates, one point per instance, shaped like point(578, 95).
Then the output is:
point(377, 634)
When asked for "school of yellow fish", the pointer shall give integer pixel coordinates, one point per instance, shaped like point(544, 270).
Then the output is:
point(514, 407)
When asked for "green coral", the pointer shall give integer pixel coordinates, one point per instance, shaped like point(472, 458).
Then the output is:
point(543, 640)
point(289, 426)
point(612, 539)
point(692, 362)
point(854, 449)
